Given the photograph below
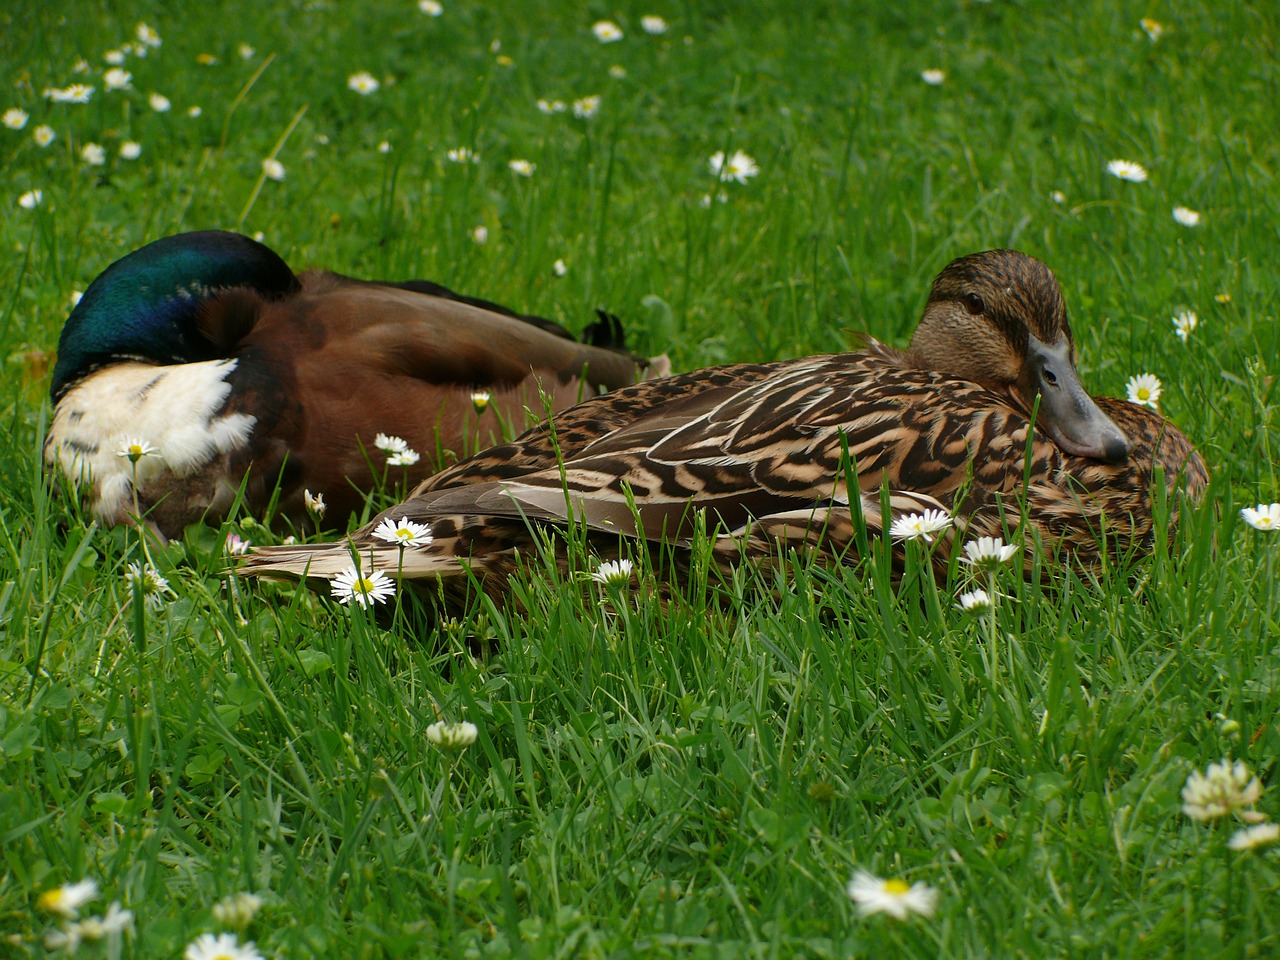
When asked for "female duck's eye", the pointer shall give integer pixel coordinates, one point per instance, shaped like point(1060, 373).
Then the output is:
point(973, 303)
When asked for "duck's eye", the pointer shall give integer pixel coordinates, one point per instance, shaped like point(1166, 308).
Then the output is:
point(973, 303)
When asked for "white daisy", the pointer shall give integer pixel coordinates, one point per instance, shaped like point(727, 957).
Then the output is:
point(975, 601)
point(273, 168)
point(740, 167)
point(430, 7)
point(147, 35)
point(68, 898)
point(587, 107)
point(618, 71)
point(114, 58)
point(117, 79)
point(160, 103)
point(130, 150)
point(551, 106)
point(988, 552)
point(479, 234)
point(606, 31)
point(389, 444)
point(1225, 788)
point(1057, 196)
point(452, 736)
point(1186, 216)
point(1152, 28)
point(134, 449)
point(93, 154)
point(522, 167)
point(364, 589)
point(1127, 170)
point(404, 532)
point(315, 503)
point(653, 24)
point(363, 83)
point(921, 525)
point(192, 112)
point(462, 155)
point(246, 52)
point(614, 572)
point(15, 118)
point(43, 135)
point(1265, 516)
point(222, 946)
point(1144, 390)
point(111, 924)
point(31, 199)
point(934, 78)
point(480, 400)
point(237, 910)
point(559, 268)
point(384, 146)
point(403, 458)
point(73, 93)
point(894, 897)
point(1184, 322)
point(154, 587)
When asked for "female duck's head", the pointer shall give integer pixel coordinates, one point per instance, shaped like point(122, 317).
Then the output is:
point(147, 306)
point(997, 318)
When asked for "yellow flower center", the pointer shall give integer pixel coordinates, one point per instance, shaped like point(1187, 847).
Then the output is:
point(897, 887)
point(363, 586)
point(51, 900)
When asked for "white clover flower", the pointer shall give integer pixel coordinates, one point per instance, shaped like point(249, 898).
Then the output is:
point(606, 31)
point(479, 234)
point(154, 587)
point(587, 107)
point(452, 736)
point(222, 946)
point(93, 154)
point(934, 78)
point(15, 118)
point(364, 589)
point(237, 910)
point(1265, 516)
point(1186, 216)
point(389, 444)
point(559, 268)
point(130, 150)
point(1259, 835)
point(315, 503)
point(134, 449)
point(404, 532)
point(430, 7)
point(1225, 788)
point(653, 24)
point(1127, 170)
point(273, 168)
point(160, 103)
point(1152, 28)
point(363, 83)
point(522, 167)
point(894, 897)
point(114, 58)
point(1184, 322)
point(988, 552)
point(614, 572)
point(117, 79)
point(462, 155)
point(1144, 390)
point(246, 52)
point(403, 458)
point(975, 601)
point(147, 35)
point(43, 135)
point(921, 525)
point(480, 400)
point(551, 106)
point(31, 199)
point(740, 167)
point(67, 899)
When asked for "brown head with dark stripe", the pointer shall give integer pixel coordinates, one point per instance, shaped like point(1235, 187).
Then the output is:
point(997, 318)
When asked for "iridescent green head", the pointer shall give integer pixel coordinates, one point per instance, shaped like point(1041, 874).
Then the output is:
point(146, 306)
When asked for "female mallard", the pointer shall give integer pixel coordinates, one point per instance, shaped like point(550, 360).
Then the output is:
point(945, 424)
point(207, 347)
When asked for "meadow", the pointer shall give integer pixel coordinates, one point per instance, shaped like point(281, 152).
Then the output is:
point(701, 777)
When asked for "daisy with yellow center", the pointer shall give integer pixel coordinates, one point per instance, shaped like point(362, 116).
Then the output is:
point(614, 573)
point(895, 897)
point(315, 503)
point(364, 589)
point(607, 31)
point(480, 400)
point(1127, 170)
point(1184, 323)
point(1265, 516)
point(404, 532)
point(67, 899)
point(1144, 390)
point(223, 946)
point(922, 525)
point(363, 83)
point(134, 449)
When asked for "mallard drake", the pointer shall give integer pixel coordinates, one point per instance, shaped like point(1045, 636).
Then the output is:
point(207, 347)
point(945, 424)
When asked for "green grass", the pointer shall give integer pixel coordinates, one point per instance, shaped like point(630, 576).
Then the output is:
point(694, 779)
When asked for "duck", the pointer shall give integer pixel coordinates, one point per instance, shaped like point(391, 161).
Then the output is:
point(983, 410)
point(232, 379)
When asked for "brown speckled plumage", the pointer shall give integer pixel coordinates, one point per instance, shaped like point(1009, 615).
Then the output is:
point(758, 447)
